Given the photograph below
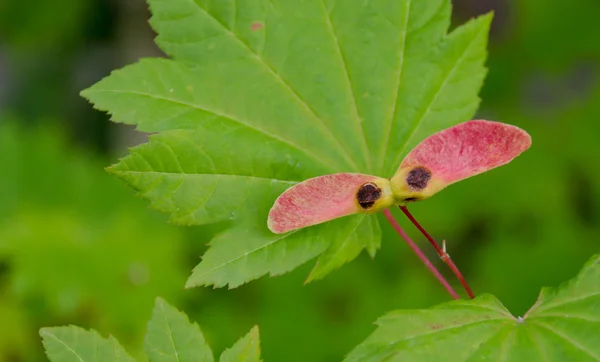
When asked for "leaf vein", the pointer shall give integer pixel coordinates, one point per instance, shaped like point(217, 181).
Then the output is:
point(340, 54)
point(207, 174)
point(536, 343)
point(569, 316)
point(286, 85)
point(568, 339)
point(244, 255)
point(229, 117)
point(449, 328)
point(171, 339)
point(415, 125)
point(66, 346)
point(203, 202)
point(398, 80)
point(569, 301)
point(483, 343)
point(339, 249)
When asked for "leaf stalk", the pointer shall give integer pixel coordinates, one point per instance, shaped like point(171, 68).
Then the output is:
point(390, 218)
point(441, 252)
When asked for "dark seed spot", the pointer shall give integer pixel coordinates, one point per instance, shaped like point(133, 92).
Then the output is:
point(408, 199)
point(418, 178)
point(367, 195)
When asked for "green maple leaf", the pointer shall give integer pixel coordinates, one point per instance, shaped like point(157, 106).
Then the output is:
point(170, 337)
point(247, 349)
point(66, 344)
point(561, 326)
point(260, 95)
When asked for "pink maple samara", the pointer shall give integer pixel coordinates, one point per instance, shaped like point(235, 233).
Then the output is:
point(448, 156)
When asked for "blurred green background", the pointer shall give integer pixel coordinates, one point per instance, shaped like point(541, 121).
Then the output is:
point(76, 246)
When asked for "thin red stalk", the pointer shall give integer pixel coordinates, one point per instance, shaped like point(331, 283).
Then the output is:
point(415, 248)
point(442, 252)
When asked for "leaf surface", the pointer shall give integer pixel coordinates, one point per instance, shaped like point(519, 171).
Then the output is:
point(74, 344)
point(561, 326)
point(247, 349)
point(231, 262)
point(439, 88)
point(260, 95)
point(365, 233)
point(172, 337)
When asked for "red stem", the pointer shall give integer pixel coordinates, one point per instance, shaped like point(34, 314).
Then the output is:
point(442, 253)
point(415, 248)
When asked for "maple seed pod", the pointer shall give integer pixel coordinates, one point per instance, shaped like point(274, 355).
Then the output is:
point(448, 156)
point(454, 154)
point(320, 199)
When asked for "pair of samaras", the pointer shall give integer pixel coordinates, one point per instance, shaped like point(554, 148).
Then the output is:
point(448, 156)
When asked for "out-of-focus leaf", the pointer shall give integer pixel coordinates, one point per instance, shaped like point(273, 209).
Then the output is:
point(74, 344)
point(171, 337)
point(16, 339)
point(71, 242)
point(56, 257)
point(561, 326)
point(247, 349)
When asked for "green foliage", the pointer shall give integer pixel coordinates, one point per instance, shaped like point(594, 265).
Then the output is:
point(561, 326)
point(74, 246)
point(560, 22)
point(170, 337)
point(244, 111)
point(540, 213)
point(26, 25)
point(247, 349)
point(74, 344)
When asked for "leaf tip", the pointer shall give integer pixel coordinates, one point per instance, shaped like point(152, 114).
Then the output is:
point(45, 331)
point(485, 19)
point(311, 276)
point(489, 16)
point(112, 169)
point(159, 301)
point(85, 94)
point(189, 284)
